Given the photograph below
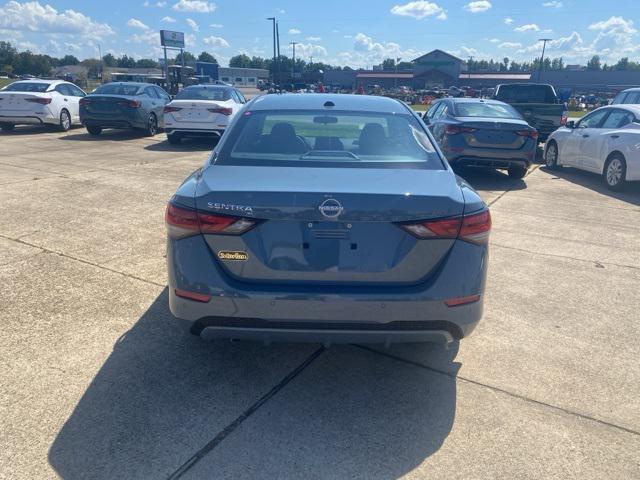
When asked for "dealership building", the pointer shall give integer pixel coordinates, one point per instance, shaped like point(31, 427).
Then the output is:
point(441, 69)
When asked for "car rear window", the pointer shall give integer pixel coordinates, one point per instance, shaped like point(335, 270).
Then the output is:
point(329, 138)
point(526, 94)
point(27, 87)
point(117, 89)
point(481, 109)
point(204, 93)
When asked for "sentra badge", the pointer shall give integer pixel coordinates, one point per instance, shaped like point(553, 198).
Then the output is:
point(236, 256)
point(242, 209)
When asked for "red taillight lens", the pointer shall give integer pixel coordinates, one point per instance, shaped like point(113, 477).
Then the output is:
point(564, 119)
point(85, 101)
point(183, 222)
point(528, 133)
point(456, 129)
point(41, 101)
point(130, 103)
point(473, 228)
point(456, 302)
point(222, 110)
point(198, 297)
point(171, 109)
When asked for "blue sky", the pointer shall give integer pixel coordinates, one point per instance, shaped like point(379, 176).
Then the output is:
point(355, 33)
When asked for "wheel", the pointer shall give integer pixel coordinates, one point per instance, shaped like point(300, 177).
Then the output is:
point(615, 171)
point(551, 156)
point(517, 172)
point(93, 130)
point(7, 127)
point(174, 139)
point(152, 126)
point(65, 121)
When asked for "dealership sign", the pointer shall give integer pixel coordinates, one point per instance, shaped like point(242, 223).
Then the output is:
point(171, 39)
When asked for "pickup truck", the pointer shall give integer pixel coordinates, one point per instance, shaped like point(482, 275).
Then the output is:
point(537, 103)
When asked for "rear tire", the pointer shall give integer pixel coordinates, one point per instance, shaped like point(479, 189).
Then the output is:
point(517, 172)
point(94, 130)
point(65, 121)
point(174, 139)
point(7, 127)
point(615, 172)
point(551, 156)
point(152, 126)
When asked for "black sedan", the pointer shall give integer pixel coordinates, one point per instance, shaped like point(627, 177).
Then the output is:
point(483, 133)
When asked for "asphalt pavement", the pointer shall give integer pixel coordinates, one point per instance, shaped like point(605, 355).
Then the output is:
point(100, 381)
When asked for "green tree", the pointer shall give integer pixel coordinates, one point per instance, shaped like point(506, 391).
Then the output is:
point(146, 63)
point(207, 57)
point(240, 61)
point(594, 63)
point(126, 61)
point(188, 57)
point(623, 64)
point(389, 64)
point(8, 55)
point(69, 60)
point(109, 60)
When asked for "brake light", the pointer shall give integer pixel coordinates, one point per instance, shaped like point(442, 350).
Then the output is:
point(528, 133)
point(223, 110)
point(198, 297)
point(85, 101)
point(130, 103)
point(171, 109)
point(40, 100)
point(456, 129)
point(564, 119)
point(473, 228)
point(456, 302)
point(183, 222)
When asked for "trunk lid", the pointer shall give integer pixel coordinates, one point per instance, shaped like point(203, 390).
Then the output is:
point(104, 104)
point(19, 101)
point(199, 111)
point(494, 133)
point(355, 240)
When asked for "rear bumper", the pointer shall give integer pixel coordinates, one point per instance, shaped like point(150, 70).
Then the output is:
point(469, 161)
point(28, 120)
point(132, 119)
point(193, 132)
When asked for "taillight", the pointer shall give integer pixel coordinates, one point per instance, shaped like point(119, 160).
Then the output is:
point(564, 119)
point(183, 222)
point(171, 109)
point(455, 129)
point(85, 101)
point(41, 101)
point(223, 110)
point(472, 228)
point(130, 103)
point(528, 133)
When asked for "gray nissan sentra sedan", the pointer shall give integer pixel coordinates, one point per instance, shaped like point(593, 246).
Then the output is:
point(327, 218)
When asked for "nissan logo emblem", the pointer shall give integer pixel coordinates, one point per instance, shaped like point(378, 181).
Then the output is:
point(331, 208)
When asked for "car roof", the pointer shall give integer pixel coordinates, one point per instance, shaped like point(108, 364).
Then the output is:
point(631, 107)
point(475, 100)
point(210, 85)
point(315, 101)
point(135, 84)
point(632, 89)
point(40, 80)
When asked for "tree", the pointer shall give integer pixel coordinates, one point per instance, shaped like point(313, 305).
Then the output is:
point(594, 63)
point(126, 62)
point(405, 66)
point(69, 60)
point(146, 63)
point(207, 57)
point(188, 57)
point(8, 55)
point(240, 61)
point(109, 60)
point(623, 64)
point(389, 64)
point(94, 67)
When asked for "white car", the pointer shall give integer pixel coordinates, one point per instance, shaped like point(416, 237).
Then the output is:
point(606, 142)
point(201, 110)
point(38, 102)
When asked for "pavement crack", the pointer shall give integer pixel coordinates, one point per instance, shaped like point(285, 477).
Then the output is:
point(81, 260)
point(229, 429)
point(512, 187)
point(498, 389)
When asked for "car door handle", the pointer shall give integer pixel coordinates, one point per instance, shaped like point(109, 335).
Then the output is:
point(585, 135)
point(614, 136)
point(65, 99)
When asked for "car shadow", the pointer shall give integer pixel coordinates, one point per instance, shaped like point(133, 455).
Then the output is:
point(107, 134)
point(21, 130)
point(186, 145)
point(489, 179)
point(630, 192)
point(163, 394)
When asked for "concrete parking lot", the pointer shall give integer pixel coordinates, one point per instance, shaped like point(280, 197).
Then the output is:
point(100, 381)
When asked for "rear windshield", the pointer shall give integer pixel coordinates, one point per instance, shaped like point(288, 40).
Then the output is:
point(480, 109)
point(204, 93)
point(329, 138)
point(526, 94)
point(27, 87)
point(117, 89)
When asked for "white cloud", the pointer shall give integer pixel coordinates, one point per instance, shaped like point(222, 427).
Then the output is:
point(494, 40)
point(135, 23)
point(615, 23)
point(510, 45)
point(217, 42)
point(304, 50)
point(192, 23)
point(478, 6)
point(508, 21)
point(281, 11)
point(35, 17)
point(294, 31)
point(552, 4)
point(530, 27)
point(313, 39)
point(419, 9)
point(198, 6)
point(156, 4)
point(168, 20)
point(216, 25)
point(367, 52)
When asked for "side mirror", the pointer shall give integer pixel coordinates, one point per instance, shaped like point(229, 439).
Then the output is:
point(570, 124)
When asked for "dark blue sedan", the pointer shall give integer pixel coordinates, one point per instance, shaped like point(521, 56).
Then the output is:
point(127, 105)
point(327, 218)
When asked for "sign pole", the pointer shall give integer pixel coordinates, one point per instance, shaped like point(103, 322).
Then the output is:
point(166, 70)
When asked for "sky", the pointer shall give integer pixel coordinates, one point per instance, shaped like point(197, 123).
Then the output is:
point(355, 33)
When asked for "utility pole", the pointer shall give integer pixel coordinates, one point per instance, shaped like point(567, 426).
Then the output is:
point(544, 46)
point(101, 61)
point(395, 79)
point(278, 49)
point(273, 20)
point(469, 67)
point(293, 65)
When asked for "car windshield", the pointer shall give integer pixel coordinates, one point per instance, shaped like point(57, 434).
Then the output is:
point(329, 138)
point(204, 93)
point(482, 109)
point(117, 89)
point(526, 94)
point(27, 87)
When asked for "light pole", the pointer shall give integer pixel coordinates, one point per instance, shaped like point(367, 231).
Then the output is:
point(395, 80)
point(469, 68)
point(293, 64)
point(544, 46)
point(273, 20)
